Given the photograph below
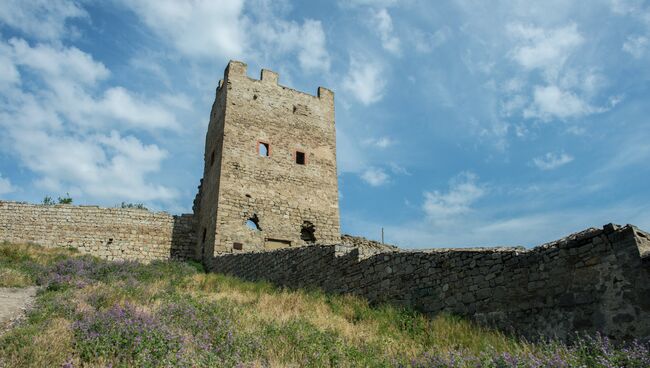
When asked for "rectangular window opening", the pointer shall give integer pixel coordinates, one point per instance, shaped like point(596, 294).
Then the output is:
point(300, 158)
point(212, 159)
point(263, 149)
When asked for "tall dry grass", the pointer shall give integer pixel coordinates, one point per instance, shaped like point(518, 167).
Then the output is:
point(174, 314)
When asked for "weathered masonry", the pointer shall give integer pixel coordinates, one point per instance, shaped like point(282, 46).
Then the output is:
point(595, 280)
point(269, 178)
point(110, 233)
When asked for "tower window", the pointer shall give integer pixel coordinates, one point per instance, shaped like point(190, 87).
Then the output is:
point(212, 159)
point(253, 223)
point(300, 158)
point(263, 149)
point(308, 232)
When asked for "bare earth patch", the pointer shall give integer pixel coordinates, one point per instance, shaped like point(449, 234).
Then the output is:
point(13, 304)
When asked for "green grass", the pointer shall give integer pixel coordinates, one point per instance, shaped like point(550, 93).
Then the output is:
point(20, 264)
point(94, 313)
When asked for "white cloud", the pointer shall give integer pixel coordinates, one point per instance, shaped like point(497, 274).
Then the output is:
point(553, 102)
point(375, 3)
point(365, 80)
point(198, 28)
point(148, 62)
point(528, 229)
point(567, 88)
point(427, 42)
point(381, 142)
point(5, 186)
point(210, 29)
point(275, 37)
point(634, 149)
point(445, 207)
point(492, 130)
point(627, 6)
point(121, 105)
point(513, 104)
point(513, 85)
point(382, 21)
point(313, 53)
point(636, 45)
point(351, 158)
point(545, 49)
point(99, 166)
point(57, 63)
point(355, 158)
point(398, 169)
point(42, 19)
point(70, 78)
point(178, 101)
point(9, 74)
point(552, 160)
point(67, 119)
point(375, 176)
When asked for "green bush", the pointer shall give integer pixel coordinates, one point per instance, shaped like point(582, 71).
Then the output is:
point(139, 206)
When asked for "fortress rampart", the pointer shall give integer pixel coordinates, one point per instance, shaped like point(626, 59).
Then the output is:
point(109, 233)
point(596, 280)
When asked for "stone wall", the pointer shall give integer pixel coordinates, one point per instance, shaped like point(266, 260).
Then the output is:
point(279, 193)
point(366, 247)
point(110, 233)
point(596, 280)
point(205, 203)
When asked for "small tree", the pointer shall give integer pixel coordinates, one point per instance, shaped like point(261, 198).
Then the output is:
point(65, 200)
point(48, 201)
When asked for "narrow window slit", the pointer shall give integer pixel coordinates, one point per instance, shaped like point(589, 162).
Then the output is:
point(300, 158)
point(263, 149)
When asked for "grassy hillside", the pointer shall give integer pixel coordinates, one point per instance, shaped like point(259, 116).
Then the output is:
point(93, 313)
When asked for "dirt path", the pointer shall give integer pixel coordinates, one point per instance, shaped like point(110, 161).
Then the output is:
point(13, 304)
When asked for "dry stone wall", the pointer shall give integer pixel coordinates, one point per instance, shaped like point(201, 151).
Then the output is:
point(596, 280)
point(109, 233)
point(366, 247)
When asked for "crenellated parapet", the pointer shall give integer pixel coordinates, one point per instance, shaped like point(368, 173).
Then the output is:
point(239, 70)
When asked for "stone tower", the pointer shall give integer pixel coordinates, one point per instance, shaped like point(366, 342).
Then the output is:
point(269, 179)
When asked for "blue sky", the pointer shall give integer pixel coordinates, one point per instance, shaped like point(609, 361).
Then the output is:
point(458, 122)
